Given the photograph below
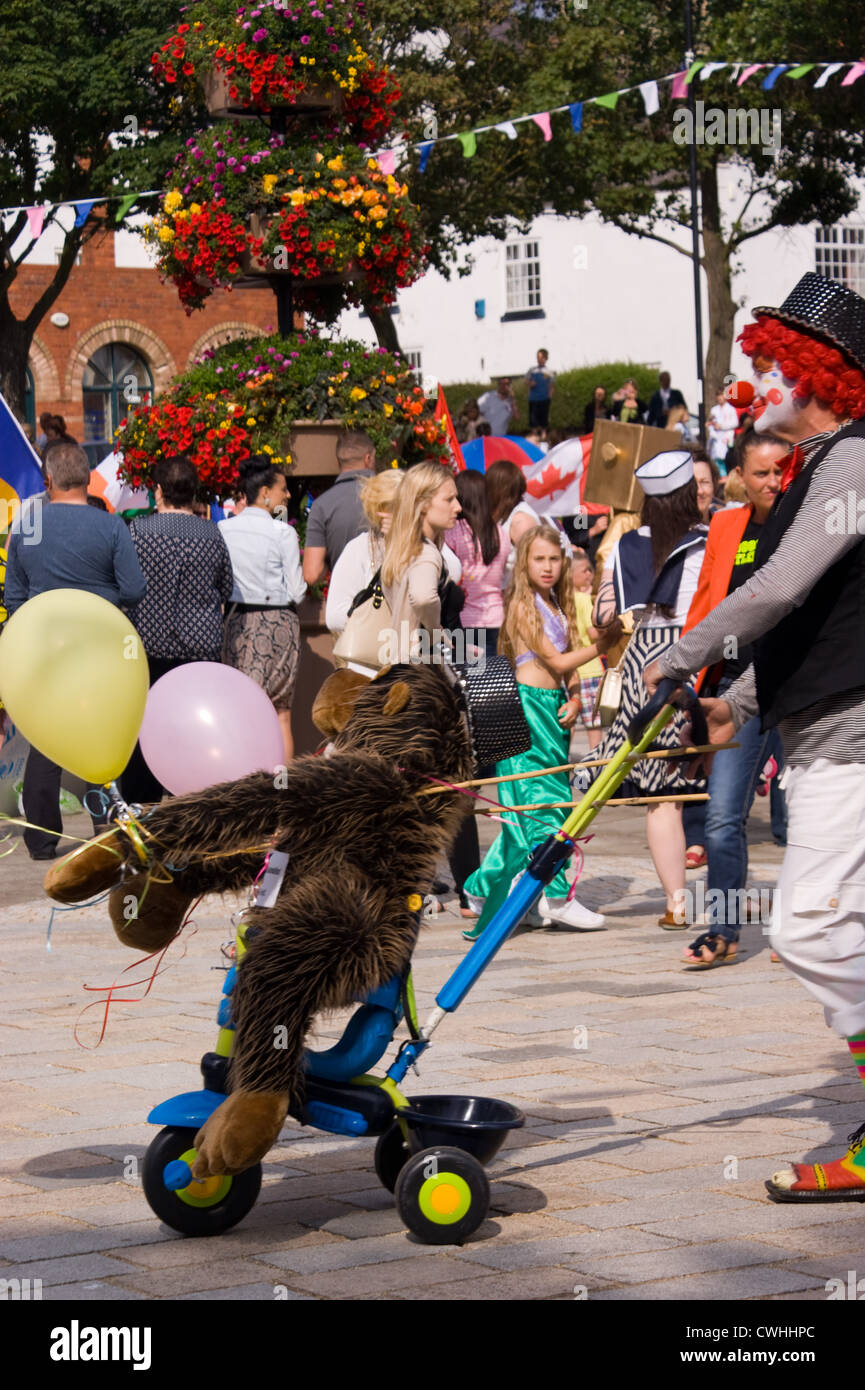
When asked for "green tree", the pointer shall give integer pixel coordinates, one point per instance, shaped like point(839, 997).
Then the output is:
point(486, 60)
point(79, 119)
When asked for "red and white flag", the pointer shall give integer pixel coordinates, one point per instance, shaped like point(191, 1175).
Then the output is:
point(442, 413)
point(556, 482)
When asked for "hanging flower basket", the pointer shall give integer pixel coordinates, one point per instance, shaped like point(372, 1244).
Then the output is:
point(246, 203)
point(225, 99)
point(282, 397)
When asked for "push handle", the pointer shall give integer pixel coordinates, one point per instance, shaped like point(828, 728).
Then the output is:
point(687, 698)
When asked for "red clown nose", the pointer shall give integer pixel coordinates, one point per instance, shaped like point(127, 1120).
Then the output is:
point(740, 393)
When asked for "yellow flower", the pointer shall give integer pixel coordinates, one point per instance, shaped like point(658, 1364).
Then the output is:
point(356, 394)
point(371, 195)
point(390, 380)
point(298, 198)
point(340, 183)
point(378, 212)
point(336, 164)
point(173, 200)
point(211, 396)
point(166, 234)
point(267, 449)
point(269, 182)
point(195, 208)
point(251, 420)
point(388, 409)
point(318, 156)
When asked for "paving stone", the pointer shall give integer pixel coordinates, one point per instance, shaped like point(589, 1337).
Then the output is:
point(92, 1291)
point(67, 1271)
point(756, 1281)
point(247, 1293)
point(368, 1280)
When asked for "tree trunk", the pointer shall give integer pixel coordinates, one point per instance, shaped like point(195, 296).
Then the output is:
point(382, 321)
point(722, 306)
point(15, 342)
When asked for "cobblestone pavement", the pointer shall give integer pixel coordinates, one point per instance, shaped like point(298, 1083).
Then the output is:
point(656, 1102)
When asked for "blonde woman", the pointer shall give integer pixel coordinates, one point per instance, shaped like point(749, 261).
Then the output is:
point(540, 636)
point(426, 506)
point(362, 557)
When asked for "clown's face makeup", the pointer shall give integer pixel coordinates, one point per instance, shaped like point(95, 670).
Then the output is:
point(775, 410)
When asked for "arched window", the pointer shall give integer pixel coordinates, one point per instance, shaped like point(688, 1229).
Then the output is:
point(116, 379)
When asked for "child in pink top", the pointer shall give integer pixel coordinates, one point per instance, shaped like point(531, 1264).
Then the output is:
point(483, 548)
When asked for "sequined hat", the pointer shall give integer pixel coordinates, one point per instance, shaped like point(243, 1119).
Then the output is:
point(826, 310)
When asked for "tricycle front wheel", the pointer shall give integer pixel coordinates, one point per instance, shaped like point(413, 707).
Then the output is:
point(205, 1208)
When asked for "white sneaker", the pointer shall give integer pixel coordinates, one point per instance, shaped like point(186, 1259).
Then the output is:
point(572, 913)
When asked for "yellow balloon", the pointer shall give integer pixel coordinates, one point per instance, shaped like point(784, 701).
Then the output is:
point(74, 678)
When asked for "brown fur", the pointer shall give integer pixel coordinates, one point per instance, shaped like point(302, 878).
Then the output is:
point(360, 843)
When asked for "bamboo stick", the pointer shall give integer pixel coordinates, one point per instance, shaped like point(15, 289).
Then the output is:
point(613, 801)
point(689, 752)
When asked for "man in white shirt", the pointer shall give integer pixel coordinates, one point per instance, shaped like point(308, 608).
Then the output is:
point(498, 407)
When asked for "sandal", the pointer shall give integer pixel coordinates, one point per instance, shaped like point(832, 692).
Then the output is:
point(696, 857)
point(720, 952)
point(842, 1180)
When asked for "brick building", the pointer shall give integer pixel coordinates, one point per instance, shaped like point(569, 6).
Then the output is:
point(116, 332)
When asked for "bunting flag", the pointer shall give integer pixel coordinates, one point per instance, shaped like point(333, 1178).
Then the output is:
point(709, 68)
point(469, 142)
point(387, 161)
point(651, 100)
point(125, 205)
point(749, 72)
point(507, 128)
point(680, 86)
point(827, 73)
point(543, 120)
point(801, 70)
point(425, 152)
point(442, 412)
point(36, 219)
point(770, 81)
point(692, 71)
point(854, 74)
point(609, 101)
point(84, 211)
point(576, 110)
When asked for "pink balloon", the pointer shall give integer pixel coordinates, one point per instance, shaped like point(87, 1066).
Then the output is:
point(206, 723)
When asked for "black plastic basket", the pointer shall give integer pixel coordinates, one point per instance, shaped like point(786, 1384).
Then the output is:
point(475, 1124)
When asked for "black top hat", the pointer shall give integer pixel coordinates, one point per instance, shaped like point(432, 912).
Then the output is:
point(826, 310)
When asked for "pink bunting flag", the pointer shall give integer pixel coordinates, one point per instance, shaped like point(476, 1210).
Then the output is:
point(36, 217)
point(856, 71)
point(386, 161)
point(680, 86)
point(749, 72)
point(543, 120)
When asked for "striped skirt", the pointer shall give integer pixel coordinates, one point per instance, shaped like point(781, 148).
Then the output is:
point(650, 776)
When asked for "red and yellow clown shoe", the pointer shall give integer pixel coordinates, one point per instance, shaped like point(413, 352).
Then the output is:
point(842, 1180)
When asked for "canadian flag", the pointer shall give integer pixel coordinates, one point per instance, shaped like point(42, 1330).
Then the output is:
point(556, 483)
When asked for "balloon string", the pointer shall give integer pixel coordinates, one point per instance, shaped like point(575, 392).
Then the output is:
point(109, 990)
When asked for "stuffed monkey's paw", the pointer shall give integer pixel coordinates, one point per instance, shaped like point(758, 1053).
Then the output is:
point(87, 870)
point(239, 1133)
point(147, 913)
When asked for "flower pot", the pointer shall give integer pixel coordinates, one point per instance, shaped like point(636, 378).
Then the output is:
point(256, 266)
point(313, 99)
point(312, 445)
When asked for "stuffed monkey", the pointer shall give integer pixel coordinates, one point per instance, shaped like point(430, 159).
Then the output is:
point(360, 842)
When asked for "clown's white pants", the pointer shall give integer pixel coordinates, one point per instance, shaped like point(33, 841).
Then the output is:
point(818, 915)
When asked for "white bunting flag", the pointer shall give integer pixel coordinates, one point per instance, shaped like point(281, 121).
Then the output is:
point(649, 92)
point(828, 72)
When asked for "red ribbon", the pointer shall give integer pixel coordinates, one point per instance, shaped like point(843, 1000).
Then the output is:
point(792, 467)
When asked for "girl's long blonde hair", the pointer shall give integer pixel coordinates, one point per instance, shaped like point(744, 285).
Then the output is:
point(405, 538)
point(522, 621)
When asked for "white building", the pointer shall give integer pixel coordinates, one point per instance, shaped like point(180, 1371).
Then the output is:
point(591, 293)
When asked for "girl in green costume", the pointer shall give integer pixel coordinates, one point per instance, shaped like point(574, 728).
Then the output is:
point(539, 634)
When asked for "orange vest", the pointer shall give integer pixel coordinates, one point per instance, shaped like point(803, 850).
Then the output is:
point(725, 532)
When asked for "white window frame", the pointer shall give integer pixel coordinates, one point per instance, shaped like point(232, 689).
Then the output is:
point(839, 254)
point(523, 291)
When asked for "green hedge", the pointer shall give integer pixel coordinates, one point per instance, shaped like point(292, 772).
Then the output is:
point(573, 391)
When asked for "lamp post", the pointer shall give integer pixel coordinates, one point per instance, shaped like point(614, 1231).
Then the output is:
point(695, 224)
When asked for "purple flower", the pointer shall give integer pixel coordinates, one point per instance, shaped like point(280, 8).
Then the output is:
point(259, 35)
point(232, 162)
point(218, 370)
point(304, 38)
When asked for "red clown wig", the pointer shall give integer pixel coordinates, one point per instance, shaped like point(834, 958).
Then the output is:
point(818, 369)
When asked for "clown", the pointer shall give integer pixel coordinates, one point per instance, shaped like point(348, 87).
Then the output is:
point(803, 608)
